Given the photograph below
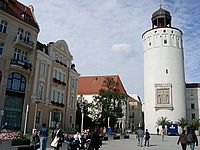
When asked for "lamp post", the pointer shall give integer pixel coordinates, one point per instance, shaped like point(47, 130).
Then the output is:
point(82, 113)
point(36, 105)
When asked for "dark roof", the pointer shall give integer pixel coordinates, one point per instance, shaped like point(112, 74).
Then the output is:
point(16, 9)
point(42, 47)
point(193, 85)
point(161, 12)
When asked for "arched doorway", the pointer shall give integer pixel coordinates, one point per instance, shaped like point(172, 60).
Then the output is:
point(14, 99)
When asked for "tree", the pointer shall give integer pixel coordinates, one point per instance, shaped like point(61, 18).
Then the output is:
point(87, 123)
point(195, 124)
point(182, 122)
point(162, 121)
point(108, 103)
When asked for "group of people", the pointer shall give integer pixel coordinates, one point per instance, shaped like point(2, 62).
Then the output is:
point(184, 139)
point(38, 139)
point(189, 139)
point(140, 135)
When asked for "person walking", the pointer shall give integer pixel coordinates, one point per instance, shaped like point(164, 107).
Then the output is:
point(162, 134)
point(147, 137)
point(43, 136)
point(183, 140)
point(140, 136)
point(158, 131)
point(58, 134)
point(34, 140)
point(95, 141)
point(192, 139)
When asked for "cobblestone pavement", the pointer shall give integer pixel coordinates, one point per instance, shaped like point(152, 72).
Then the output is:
point(169, 143)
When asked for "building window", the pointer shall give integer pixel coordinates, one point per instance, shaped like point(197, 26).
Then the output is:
point(60, 76)
point(20, 33)
point(70, 119)
point(3, 4)
point(165, 41)
point(166, 71)
point(38, 117)
point(27, 37)
point(43, 69)
point(3, 26)
point(72, 102)
point(62, 98)
point(17, 54)
point(64, 80)
point(16, 82)
point(192, 106)
point(24, 56)
point(1, 48)
point(41, 91)
point(73, 83)
point(56, 56)
point(193, 116)
point(53, 95)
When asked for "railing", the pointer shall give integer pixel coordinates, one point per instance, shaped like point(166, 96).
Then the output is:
point(25, 65)
point(24, 41)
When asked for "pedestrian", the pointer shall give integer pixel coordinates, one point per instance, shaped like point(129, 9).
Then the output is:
point(140, 136)
point(77, 138)
point(162, 134)
point(147, 137)
point(183, 140)
point(34, 140)
point(95, 141)
point(192, 139)
point(43, 136)
point(57, 135)
point(158, 131)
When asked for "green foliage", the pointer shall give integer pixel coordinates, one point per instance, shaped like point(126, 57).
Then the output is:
point(182, 122)
point(162, 121)
point(195, 124)
point(108, 103)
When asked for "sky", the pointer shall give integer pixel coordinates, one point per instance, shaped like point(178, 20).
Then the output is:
point(105, 36)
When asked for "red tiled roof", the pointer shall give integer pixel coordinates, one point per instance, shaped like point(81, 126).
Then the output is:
point(92, 84)
point(192, 85)
point(16, 9)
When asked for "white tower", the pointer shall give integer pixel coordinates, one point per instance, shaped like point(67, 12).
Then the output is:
point(164, 79)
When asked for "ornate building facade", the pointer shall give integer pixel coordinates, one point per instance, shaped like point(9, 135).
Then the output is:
point(18, 36)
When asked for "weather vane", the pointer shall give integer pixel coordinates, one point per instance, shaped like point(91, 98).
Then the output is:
point(160, 3)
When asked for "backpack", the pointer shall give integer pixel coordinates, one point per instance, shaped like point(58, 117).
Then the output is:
point(190, 138)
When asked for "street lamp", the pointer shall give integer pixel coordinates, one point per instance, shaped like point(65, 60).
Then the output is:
point(82, 113)
point(36, 105)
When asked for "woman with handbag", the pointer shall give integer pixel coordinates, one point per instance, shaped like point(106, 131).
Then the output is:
point(57, 137)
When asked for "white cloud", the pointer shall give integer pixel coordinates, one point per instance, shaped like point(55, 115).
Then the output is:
point(95, 29)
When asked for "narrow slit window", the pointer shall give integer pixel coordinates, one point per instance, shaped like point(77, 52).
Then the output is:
point(166, 71)
point(165, 41)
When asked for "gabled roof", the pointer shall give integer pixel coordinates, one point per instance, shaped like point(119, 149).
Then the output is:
point(16, 9)
point(92, 84)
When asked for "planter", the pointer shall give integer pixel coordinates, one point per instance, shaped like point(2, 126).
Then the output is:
point(116, 137)
point(17, 142)
point(126, 136)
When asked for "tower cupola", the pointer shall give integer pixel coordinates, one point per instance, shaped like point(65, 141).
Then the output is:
point(161, 18)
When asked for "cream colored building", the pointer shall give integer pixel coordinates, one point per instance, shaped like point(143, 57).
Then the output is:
point(18, 36)
point(192, 101)
point(135, 112)
point(55, 87)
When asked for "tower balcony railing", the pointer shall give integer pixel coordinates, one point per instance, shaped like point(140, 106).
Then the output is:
point(25, 42)
point(24, 64)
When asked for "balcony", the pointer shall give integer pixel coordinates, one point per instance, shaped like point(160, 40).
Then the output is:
point(24, 42)
point(24, 65)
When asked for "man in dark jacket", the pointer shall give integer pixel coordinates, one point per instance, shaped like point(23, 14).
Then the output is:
point(95, 141)
point(192, 138)
point(58, 133)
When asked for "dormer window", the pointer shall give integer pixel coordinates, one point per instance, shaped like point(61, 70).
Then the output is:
point(3, 4)
point(26, 17)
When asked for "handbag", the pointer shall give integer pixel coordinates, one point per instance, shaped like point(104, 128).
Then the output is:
point(54, 143)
